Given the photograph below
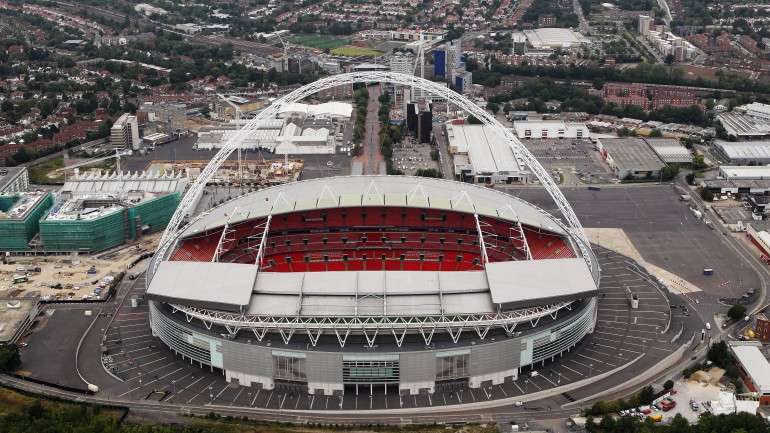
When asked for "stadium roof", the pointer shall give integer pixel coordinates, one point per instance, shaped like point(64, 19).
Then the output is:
point(524, 283)
point(509, 285)
point(356, 191)
point(224, 286)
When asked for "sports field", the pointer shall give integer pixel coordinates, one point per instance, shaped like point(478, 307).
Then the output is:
point(319, 41)
point(353, 51)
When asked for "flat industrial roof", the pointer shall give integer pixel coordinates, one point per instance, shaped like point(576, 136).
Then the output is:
point(225, 286)
point(488, 151)
point(745, 149)
point(755, 363)
point(552, 36)
point(356, 191)
point(745, 172)
point(113, 183)
point(670, 150)
point(527, 283)
point(632, 154)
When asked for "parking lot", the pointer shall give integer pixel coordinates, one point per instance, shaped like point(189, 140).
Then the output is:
point(410, 156)
point(662, 228)
point(572, 162)
point(150, 371)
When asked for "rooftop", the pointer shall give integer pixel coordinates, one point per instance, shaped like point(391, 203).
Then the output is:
point(510, 285)
point(745, 172)
point(116, 183)
point(744, 149)
point(754, 363)
point(19, 205)
point(553, 37)
point(356, 191)
point(488, 151)
point(632, 154)
point(670, 150)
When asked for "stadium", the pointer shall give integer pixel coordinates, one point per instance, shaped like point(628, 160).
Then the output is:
point(397, 283)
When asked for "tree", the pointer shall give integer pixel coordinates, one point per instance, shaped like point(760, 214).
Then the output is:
point(698, 163)
point(9, 358)
point(428, 172)
point(669, 172)
point(669, 384)
point(655, 133)
point(737, 312)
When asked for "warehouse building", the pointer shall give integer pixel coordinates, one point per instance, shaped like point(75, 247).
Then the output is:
point(19, 216)
point(630, 158)
point(744, 172)
point(483, 156)
point(96, 212)
point(551, 38)
point(550, 129)
point(670, 151)
point(13, 179)
point(744, 152)
point(753, 367)
point(737, 186)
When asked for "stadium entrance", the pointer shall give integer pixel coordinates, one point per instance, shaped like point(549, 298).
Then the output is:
point(370, 373)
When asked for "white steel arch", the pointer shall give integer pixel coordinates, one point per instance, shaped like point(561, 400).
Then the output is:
point(196, 189)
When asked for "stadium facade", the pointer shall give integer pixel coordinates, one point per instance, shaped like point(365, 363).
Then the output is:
point(378, 281)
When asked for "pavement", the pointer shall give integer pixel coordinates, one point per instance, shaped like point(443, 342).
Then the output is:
point(371, 157)
point(442, 145)
point(140, 364)
point(663, 230)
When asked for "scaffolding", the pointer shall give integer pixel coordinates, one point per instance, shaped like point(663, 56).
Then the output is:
point(108, 229)
point(16, 232)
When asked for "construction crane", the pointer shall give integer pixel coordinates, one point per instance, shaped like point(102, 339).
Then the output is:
point(286, 54)
point(118, 154)
point(237, 118)
point(424, 46)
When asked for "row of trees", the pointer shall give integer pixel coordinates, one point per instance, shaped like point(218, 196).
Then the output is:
point(533, 95)
point(737, 423)
point(643, 73)
point(389, 134)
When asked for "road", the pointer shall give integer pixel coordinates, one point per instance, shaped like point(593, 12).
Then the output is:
point(584, 27)
point(444, 159)
point(749, 256)
point(371, 157)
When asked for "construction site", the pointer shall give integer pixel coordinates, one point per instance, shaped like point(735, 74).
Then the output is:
point(252, 173)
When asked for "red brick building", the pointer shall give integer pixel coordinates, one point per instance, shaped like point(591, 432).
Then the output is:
point(649, 96)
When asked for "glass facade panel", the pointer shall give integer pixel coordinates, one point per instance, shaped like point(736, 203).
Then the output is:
point(289, 368)
point(452, 367)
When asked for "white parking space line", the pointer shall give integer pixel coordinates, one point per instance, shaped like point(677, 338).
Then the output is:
point(201, 391)
point(184, 389)
point(129, 338)
point(593, 359)
point(237, 395)
point(620, 349)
